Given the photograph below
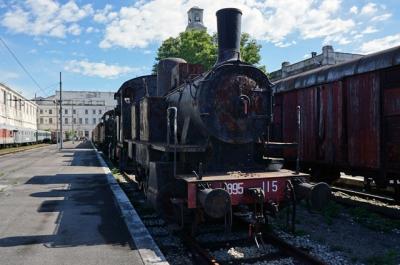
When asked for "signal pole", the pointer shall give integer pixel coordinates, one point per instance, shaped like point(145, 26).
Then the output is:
point(72, 121)
point(61, 128)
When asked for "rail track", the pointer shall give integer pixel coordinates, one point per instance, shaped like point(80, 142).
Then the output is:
point(365, 195)
point(382, 205)
point(215, 247)
point(274, 250)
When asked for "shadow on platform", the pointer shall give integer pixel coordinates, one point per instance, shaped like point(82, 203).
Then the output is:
point(87, 213)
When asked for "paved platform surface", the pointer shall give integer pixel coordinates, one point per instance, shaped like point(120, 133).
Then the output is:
point(57, 208)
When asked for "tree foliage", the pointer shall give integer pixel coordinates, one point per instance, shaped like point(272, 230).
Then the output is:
point(198, 47)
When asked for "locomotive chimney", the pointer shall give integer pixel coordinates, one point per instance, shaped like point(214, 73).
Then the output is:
point(229, 32)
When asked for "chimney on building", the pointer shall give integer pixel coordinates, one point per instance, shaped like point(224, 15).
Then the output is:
point(328, 55)
point(284, 68)
point(313, 54)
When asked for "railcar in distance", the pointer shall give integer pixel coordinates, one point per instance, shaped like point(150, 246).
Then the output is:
point(14, 136)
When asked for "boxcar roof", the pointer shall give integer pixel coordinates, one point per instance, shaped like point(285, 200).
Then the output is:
point(331, 73)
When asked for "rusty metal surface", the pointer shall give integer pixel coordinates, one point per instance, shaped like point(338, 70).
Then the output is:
point(237, 175)
point(327, 74)
point(184, 72)
point(308, 130)
point(330, 144)
point(273, 187)
point(289, 121)
point(128, 94)
point(135, 121)
point(230, 103)
point(391, 119)
point(153, 119)
point(363, 120)
point(164, 73)
point(391, 102)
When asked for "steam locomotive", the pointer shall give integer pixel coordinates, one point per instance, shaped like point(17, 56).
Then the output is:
point(198, 141)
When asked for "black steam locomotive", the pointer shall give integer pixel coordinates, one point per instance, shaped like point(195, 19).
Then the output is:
point(198, 141)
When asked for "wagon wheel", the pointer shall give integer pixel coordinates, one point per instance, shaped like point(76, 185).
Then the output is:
point(291, 209)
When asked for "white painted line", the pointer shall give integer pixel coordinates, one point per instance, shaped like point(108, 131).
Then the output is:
point(147, 248)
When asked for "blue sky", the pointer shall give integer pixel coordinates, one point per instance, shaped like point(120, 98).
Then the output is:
point(97, 45)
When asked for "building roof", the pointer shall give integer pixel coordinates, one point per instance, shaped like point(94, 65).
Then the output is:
point(330, 73)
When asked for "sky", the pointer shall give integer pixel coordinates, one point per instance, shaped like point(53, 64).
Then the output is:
point(97, 45)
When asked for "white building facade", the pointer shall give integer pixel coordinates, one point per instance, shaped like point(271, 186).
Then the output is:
point(16, 111)
point(81, 111)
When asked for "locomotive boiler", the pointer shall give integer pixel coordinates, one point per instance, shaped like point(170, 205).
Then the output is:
point(197, 140)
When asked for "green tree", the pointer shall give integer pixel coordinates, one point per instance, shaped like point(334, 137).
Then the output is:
point(197, 46)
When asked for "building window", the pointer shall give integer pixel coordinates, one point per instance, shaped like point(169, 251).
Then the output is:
point(15, 102)
point(50, 111)
point(86, 111)
point(5, 97)
point(66, 120)
point(80, 120)
point(41, 111)
point(94, 111)
point(94, 120)
point(50, 120)
point(41, 120)
point(65, 111)
point(74, 111)
point(100, 111)
point(86, 121)
point(74, 120)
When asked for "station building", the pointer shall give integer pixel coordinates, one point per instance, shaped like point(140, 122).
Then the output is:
point(16, 111)
point(81, 111)
point(327, 57)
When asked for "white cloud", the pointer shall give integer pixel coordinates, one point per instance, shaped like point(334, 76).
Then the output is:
point(271, 20)
point(369, 30)
point(98, 69)
point(45, 18)
point(381, 17)
point(354, 10)
point(285, 44)
point(74, 29)
point(105, 15)
point(369, 9)
point(380, 44)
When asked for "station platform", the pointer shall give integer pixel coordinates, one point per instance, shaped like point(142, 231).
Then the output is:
point(57, 207)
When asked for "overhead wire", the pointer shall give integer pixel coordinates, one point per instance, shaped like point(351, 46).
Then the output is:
point(21, 65)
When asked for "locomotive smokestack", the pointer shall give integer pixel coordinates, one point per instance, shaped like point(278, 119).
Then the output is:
point(229, 32)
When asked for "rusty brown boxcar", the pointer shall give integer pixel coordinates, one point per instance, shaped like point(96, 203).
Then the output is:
point(350, 117)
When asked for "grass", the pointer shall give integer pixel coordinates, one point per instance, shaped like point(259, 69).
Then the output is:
point(373, 221)
point(389, 258)
point(20, 148)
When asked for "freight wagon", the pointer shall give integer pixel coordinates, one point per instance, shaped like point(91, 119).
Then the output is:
point(350, 118)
